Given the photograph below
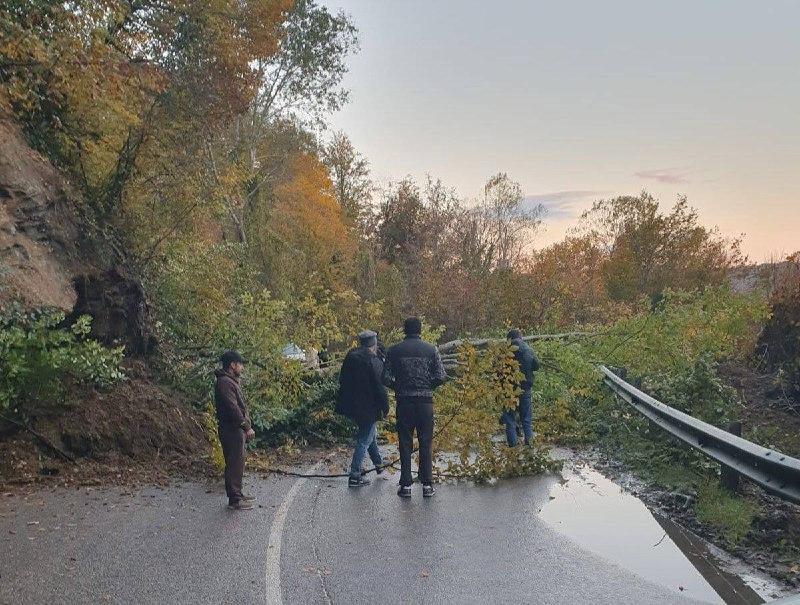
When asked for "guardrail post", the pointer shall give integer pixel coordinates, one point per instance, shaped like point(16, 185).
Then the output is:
point(729, 477)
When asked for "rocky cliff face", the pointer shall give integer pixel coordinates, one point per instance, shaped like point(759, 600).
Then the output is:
point(49, 258)
point(40, 234)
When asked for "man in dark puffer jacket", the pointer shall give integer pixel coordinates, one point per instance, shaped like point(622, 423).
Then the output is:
point(363, 398)
point(414, 369)
point(528, 364)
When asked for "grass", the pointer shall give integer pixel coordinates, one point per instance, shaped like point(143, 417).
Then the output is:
point(730, 514)
point(778, 433)
point(672, 476)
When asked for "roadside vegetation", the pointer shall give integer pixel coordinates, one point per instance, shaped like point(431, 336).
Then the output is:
point(194, 136)
point(40, 355)
point(733, 516)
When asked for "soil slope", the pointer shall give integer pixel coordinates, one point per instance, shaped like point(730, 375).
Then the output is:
point(50, 257)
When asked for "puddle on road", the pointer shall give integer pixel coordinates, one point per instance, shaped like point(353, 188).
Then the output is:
point(592, 511)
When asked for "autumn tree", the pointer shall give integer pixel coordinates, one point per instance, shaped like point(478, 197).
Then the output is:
point(451, 253)
point(508, 225)
point(402, 220)
point(351, 180)
point(295, 87)
point(302, 81)
point(91, 81)
point(304, 230)
point(565, 284)
point(649, 251)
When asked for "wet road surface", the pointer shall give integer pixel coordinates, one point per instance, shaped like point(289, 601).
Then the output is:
point(534, 540)
point(173, 545)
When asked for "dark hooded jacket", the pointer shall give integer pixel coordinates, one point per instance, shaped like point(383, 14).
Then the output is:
point(229, 401)
point(413, 368)
point(527, 360)
point(362, 396)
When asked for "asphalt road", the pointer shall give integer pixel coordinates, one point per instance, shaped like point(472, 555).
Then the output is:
point(308, 541)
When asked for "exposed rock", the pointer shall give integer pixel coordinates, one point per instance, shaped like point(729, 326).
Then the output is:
point(117, 304)
point(41, 238)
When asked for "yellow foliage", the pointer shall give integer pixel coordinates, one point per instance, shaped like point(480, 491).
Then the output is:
point(209, 423)
point(96, 81)
point(307, 224)
point(307, 212)
point(471, 406)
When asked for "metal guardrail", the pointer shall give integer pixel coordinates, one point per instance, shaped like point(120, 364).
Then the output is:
point(775, 472)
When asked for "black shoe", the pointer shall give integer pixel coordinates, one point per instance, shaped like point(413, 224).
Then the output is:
point(428, 491)
point(404, 491)
point(240, 505)
point(357, 481)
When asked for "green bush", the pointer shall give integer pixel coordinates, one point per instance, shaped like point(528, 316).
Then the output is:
point(37, 353)
point(469, 408)
point(698, 391)
point(313, 419)
point(671, 351)
point(208, 300)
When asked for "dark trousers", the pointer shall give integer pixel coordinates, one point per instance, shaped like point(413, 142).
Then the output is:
point(232, 440)
point(415, 413)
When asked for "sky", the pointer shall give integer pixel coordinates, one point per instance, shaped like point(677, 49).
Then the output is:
point(579, 101)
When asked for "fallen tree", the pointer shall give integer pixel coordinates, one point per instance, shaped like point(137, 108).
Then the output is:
point(453, 345)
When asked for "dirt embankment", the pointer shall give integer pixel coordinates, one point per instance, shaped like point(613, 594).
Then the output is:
point(137, 431)
point(49, 256)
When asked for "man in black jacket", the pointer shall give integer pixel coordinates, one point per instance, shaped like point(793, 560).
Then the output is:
point(414, 369)
point(234, 427)
point(528, 364)
point(363, 398)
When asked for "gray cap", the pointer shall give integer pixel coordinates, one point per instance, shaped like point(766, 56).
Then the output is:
point(367, 338)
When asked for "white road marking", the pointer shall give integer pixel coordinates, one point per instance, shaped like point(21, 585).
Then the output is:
point(274, 592)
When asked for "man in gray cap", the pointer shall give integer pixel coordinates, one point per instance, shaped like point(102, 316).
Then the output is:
point(363, 398)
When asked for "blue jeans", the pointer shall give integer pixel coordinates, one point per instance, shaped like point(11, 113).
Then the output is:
point(509, 419)
point(365, 441)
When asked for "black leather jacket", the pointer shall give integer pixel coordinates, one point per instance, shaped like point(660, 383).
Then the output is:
point(413, 368)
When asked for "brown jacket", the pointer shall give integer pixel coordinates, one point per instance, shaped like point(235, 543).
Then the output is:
point(229, 401)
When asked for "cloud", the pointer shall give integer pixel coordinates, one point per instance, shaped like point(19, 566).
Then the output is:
point(561, 205)
point(666, 175)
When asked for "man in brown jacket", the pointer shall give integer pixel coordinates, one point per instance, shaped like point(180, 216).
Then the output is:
point(234, 427)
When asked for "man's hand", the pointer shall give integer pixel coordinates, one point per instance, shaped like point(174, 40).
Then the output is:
point(249, 434)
